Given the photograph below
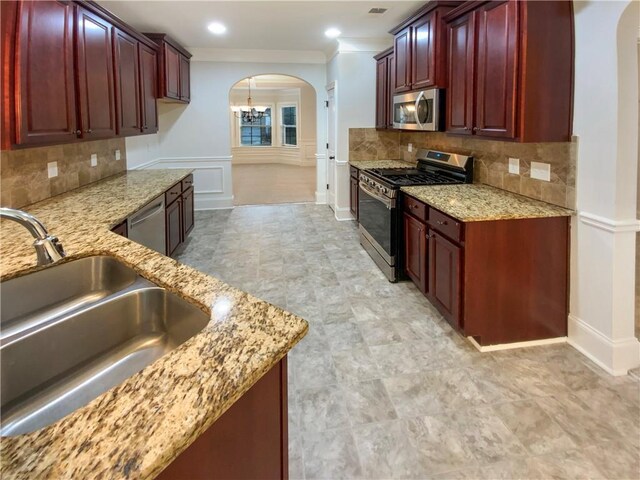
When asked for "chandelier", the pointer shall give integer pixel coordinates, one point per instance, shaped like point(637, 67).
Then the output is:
point(249, 112)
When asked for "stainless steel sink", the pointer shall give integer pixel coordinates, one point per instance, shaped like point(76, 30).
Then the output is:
point(71, 332)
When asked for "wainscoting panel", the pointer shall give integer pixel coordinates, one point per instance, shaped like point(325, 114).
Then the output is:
point(211, 178)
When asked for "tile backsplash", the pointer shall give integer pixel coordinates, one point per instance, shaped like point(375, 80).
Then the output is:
point(491, 159)
point(24, 172)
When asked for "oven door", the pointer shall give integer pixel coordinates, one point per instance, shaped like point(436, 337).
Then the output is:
point(377, 216)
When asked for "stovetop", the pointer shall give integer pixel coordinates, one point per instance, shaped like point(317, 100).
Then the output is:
point(402, 177)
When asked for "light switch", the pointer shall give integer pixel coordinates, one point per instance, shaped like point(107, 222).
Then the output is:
point(514, 166)
point(52, 169)
point(117, 155)
point(541, 171)
point(94, 159)
point(410, 148)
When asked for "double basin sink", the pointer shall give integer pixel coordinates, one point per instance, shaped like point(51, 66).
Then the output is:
point(70, 332)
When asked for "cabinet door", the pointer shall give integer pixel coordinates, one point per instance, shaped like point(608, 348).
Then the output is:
point(497, 70)
point(415, 251)
point(444, 277)
point(148, 88)
point(185, 79)
point(354, 197)
point(174, 226)
point(460, 93)
point(127, 84)
point(391, 80)
point(96, 90)
point(382, 92)
point(187, 212)
point(402, 52)
point(423, 53)
point(45, 100)
point(171, 72)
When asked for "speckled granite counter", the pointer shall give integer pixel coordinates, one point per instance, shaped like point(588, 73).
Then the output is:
point(363, 164)
point(477, 202)
point(134, 430)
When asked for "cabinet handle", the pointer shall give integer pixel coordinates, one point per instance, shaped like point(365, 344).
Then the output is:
point(173, 193)
point(475, 129)
point(439, 222)
point(145, 127)
point(78, 132)
point(88, 131)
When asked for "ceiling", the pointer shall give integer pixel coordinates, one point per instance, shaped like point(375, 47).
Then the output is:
point(264, 25)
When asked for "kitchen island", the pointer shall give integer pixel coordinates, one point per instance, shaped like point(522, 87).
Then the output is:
point(140, 427)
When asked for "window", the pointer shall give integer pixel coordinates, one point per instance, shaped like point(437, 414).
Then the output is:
point(289, 117)
point(257, 132)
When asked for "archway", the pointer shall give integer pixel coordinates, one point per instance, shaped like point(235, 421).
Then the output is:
point(273, 136)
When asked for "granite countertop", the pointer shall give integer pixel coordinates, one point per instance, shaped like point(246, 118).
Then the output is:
point(478, 202)
point(364, 164)
point(136, 429)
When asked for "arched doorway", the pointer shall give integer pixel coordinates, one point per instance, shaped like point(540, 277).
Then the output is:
point(274, 143)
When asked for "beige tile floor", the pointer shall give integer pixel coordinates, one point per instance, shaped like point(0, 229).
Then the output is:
point(381, 387)
point(273, 183)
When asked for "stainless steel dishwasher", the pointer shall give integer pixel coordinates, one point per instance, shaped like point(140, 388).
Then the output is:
point(147, 226)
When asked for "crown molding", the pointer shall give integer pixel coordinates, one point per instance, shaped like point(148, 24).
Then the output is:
point(256, 55)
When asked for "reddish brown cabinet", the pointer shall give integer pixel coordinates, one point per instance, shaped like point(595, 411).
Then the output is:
point(187, 212)
point(45, 102)
point(148, 88)
point(415, 251)
point(173, 215)
point(444, 277)
point(498, 281)
point(174, 76)
point(385, 64)
point(127, 65)
point(121, 229)
point(511, 70)
point(179, 213)
point(354, 191)
point(95, 68)
point(402, 66)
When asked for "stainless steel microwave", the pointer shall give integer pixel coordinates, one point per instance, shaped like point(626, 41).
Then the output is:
point(422, 110)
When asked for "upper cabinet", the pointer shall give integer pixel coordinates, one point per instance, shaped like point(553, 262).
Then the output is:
point(511, 70)
point(420, 48)
point(73, 71)
point(384, 88)
point(174, 69)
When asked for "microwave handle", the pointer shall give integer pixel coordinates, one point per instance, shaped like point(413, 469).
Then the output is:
point(420, 95)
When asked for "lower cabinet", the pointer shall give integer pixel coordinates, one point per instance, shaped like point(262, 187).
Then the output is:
point(499, 281)
point(355, 193)
point(179, 213)
point(249, 441)
point(121, 229)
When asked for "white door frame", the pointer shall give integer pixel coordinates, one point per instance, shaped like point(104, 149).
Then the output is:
point(331, 142)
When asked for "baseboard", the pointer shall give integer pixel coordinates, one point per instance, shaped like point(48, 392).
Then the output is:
point(205, 201)
point(509, 346)
point(616, 357)
point(321, 198)
point(343, 214)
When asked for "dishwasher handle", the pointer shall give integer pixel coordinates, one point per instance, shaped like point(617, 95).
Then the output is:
point(145, 215)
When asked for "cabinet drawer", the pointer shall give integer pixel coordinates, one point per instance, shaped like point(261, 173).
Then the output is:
point(173, 193)
point(415, 208)
point(187, 182)
point(354, 172)
point(446, 225)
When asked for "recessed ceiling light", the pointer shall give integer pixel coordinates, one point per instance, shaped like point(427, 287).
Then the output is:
point(332, 33)
point(217, 28)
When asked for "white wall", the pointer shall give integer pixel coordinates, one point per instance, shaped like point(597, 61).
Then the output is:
point(601, 321)
point(199, 134)
point(355, 76)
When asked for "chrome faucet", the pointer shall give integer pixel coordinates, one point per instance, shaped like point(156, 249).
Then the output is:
point(48, 247)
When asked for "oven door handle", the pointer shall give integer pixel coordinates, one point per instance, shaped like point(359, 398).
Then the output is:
point(420, 97)
point(388, 202)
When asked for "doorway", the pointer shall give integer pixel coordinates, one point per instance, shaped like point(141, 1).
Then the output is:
point(331, 145)
point(273, 140)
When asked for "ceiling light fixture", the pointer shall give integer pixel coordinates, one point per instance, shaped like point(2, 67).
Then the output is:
point(217, 28)
point(332, 32)
point(249, 112)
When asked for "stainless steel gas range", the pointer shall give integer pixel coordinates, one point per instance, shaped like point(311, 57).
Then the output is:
point(380, 232)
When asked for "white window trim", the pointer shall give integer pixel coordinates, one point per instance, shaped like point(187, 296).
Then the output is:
point(280, 124)
point(238, 124)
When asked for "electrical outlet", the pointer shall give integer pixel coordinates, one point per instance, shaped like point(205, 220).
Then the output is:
point(514, 166)
point(117, 155)
point(541, 171)
point(94, 159)
point(410, 147)
point(52, 169)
